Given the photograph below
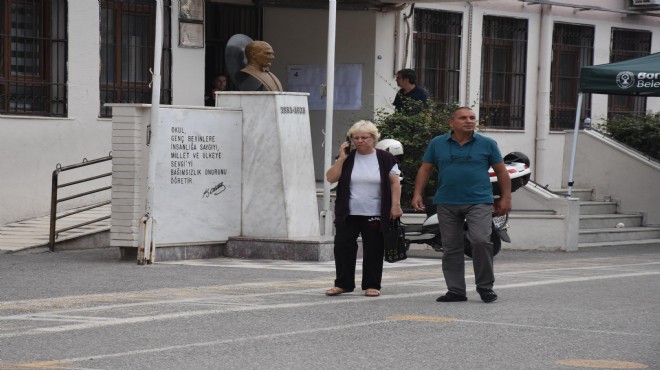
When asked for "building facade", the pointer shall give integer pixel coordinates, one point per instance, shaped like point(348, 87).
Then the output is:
point(516, 62)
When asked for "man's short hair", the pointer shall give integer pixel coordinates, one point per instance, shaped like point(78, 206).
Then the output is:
point(453, 113)
point(408, 74)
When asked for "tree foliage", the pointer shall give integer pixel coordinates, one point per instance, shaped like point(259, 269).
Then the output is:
point(639, 132)
point(415, 131)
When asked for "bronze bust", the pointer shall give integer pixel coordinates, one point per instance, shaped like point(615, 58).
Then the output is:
point(260, 56)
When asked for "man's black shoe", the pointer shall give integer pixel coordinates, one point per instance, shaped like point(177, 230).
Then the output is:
point(487, 294)
point(451, 297)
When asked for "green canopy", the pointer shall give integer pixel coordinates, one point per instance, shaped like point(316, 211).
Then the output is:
point(639, 76)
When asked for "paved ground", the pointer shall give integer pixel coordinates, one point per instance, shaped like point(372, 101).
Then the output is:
point(87, 310)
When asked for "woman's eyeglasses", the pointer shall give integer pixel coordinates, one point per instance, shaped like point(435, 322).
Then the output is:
point(363, 138)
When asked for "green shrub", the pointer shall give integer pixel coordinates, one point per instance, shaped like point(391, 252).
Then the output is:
point(414, 132)
point(639, 132)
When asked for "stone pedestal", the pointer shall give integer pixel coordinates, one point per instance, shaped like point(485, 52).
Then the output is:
point(296, 249)
point(280, 216)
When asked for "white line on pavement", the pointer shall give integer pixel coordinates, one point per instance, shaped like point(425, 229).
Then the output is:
point(188, 314)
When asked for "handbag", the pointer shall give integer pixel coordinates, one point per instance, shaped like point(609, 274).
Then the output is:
point(394, 239)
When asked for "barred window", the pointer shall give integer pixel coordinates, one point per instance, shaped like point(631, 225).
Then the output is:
point(33, 49)
point(127, 50)
point(503, 65)
point(437, 53)
point(628, 44)
point(572, 49)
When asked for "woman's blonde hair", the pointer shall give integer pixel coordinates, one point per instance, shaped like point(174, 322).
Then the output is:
point(365, 126)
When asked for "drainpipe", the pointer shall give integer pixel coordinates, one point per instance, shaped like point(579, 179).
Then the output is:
point(468, 66)
point(147, 247)
point(542, 127)
point(406, 21)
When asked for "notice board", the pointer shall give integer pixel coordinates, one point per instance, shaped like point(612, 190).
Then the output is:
point(311, 78)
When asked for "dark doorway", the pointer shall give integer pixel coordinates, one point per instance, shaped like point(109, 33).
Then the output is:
point(222, 22)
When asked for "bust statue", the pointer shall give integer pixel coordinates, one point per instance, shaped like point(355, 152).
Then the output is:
point(260, 56)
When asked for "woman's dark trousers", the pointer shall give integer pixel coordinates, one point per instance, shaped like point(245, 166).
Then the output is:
point(346, 248)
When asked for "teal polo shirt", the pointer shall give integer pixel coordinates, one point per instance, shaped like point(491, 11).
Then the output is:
point(463, 170)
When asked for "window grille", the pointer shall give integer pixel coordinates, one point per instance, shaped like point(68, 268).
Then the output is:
point(503, 72)
point(572, 49)
point(437, 53)
point(33, 49)
point(628, 44)
point(127, 50)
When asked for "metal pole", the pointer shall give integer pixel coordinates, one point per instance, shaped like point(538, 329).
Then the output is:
point(326, 213)
point(145, 252)
point(575, 137)
point(53, 208)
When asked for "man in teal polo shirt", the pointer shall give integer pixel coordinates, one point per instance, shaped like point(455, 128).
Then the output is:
point(465, 194)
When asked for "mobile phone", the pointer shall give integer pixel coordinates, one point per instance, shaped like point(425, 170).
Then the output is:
point(348, 148)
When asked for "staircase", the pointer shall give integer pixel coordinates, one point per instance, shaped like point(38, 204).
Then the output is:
point(601, 224)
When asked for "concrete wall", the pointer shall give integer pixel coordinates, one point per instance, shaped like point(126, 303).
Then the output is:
point(187, 68)
point(300, 36)
point(542, 220)
point(32, 146)
point(610, 169)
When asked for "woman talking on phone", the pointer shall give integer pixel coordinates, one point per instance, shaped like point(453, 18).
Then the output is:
point(368, 196)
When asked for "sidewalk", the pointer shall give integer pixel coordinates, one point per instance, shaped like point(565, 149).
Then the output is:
point(34, 233)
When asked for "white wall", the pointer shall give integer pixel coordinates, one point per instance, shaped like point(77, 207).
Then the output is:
point(300, 36)
point(187, 68)
point(32, 146)
point(549, 155)
point(611, 170)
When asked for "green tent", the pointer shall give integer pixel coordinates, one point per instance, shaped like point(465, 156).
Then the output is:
point(639, 76)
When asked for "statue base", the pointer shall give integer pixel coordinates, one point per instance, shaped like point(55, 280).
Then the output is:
point(318, 249)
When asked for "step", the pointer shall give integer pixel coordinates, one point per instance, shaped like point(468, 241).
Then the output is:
point(618, 234)
point(582, 194)
point(597, 207)
point(621, 243)
point(610, 221)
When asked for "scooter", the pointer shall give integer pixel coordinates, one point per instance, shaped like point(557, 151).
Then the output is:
point(517, 164)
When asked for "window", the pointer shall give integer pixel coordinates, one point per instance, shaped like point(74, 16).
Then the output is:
point(127, 51)
point(33, 45)
point(628, 44)
point(572, 49)
point(437, 53)
point(503, 64)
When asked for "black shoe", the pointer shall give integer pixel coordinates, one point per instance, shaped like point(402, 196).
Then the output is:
point(487, 294)
point(451, 297)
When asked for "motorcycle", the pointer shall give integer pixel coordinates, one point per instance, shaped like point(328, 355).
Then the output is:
point(517, 164)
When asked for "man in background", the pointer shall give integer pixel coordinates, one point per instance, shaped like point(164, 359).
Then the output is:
point(407, 98)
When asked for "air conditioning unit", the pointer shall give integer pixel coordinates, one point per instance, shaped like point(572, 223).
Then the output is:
point(645, 4)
